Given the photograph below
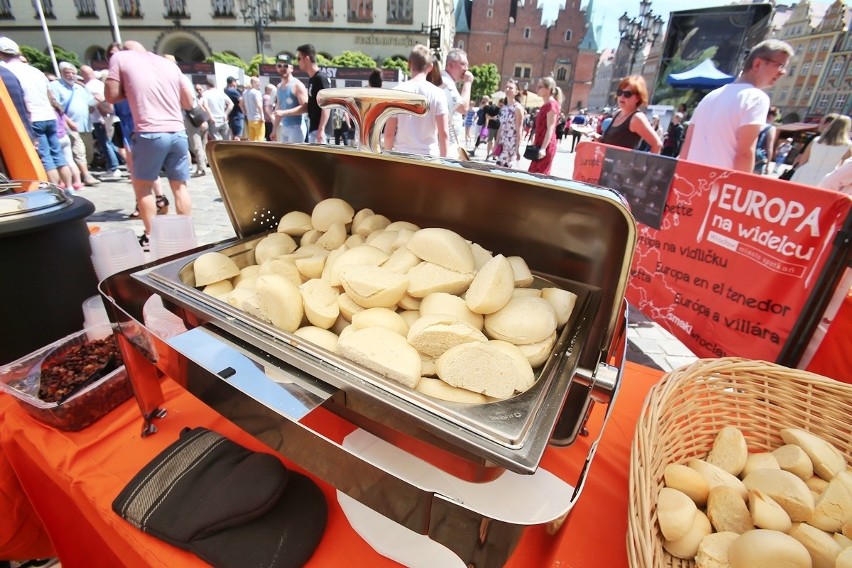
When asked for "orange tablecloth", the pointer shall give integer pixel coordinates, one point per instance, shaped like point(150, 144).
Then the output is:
point(71, 479)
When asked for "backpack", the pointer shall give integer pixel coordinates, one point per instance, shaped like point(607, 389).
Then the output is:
point(761, 154)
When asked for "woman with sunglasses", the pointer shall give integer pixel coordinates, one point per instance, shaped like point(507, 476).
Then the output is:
point(545, 125)
point(629, 125)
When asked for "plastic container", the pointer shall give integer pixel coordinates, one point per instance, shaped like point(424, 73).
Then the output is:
point(21, 378)
point(95, 318)
point(115, 250)
point(171, 234)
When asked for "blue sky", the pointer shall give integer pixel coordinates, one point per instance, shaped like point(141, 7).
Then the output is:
point(607, 12)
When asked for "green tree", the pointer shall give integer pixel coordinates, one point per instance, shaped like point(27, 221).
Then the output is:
point(42, 61)
point(486, 80)
point(254, 65)
point(353, 59)
point(324, 61)
point(227, 58)
point(396, 63)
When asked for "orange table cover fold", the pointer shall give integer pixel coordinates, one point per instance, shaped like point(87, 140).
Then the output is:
point(71, 479)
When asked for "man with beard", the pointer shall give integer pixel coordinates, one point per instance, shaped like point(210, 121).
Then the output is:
point(291, 100)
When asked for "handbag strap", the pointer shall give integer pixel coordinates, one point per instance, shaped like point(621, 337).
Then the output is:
point(68, 102)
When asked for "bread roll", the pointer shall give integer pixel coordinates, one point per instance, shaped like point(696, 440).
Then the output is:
point(522, 321)
point(361, 214)
point(675, 513)
point(280, 300)
point(847, 527)
point(729, 451)
point(822, 548)
point(348, 307)
point(533, 292)
point(310, 267)
point(364, 255)
point(402, 225)
point(427, 278)
point(786, 489)
point(843, 541)
point(410, 316)
point(330, 211)
point(238, 296)
point(353, 241)
point(687, 480)
point(369, 224)
point(319, 336)
point(433, 335)
point(383, 351)
point(492, 286)
point(383, 240)
point(449, 304)
point(272, 245)
point(716, 476)
point(763, 548)
point(827, 460)
point(479, 367)
point(427, 367)
point(251, 271)
point(213, 267)
point(334, 237)
point(408, 302)
point(523, 276)
point(844, 559)
point(816, 484)
point(713, 550)
point(834, 506)
point(727, 511)
point(562, 301)
point(401, 260)
point(380, 317)
point(295, 223)
point(537, 353)
point(525, 376)
point(219, 290)
point(761, 460)
point(320, 302)
point(373, 286)
point(284, 268)
point(480, 255)
point(766, 513)
point(444, 248)
point(310, 237)
point(792, 458)
point(686, 547)
point(439, 389)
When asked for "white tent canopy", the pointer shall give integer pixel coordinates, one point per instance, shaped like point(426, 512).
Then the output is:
point(702, 76)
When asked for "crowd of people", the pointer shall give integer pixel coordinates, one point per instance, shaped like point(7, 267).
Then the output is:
point(145, 114)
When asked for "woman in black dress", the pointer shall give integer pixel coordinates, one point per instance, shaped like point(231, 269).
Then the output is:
point(629, 124)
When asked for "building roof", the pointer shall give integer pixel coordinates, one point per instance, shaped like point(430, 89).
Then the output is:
point(589, 42)
point(462, 16)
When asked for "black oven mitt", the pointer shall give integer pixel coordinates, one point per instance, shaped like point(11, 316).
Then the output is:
point(225, 503)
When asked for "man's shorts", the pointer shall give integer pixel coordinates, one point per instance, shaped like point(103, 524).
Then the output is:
point(155, 151)
point(255, 130)
point(78, 147)
point(492, 134)
point(237, 124)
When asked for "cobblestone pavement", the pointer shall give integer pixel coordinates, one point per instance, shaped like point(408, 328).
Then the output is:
point(648, 343)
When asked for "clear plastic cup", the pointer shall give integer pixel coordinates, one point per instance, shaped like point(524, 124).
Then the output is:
point(171, 234)
point(95, 318)
point(115, 250)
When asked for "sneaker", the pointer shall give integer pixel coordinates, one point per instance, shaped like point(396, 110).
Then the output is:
point(144, 243)
point(113, 176)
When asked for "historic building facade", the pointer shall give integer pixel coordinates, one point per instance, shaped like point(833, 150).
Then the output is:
point(511, 35)
point(193, 29)
point(819, 77)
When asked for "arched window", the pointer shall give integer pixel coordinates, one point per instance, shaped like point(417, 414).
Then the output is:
point(488, 48)
point(489, 13)
point(561, 74)
point(460, 44)
point(568, 35)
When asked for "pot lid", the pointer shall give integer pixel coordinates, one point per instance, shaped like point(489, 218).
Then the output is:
point(44, 198)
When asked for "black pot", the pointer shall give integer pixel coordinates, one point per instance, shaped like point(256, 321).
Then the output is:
point(47, 269)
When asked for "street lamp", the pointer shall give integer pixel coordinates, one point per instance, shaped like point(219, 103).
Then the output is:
point(639, 31)
point(259, 13)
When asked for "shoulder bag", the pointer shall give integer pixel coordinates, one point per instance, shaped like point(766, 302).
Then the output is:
point(531, 152)
point(197, 116)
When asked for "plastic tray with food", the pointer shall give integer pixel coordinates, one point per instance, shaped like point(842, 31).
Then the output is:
point(71, 383)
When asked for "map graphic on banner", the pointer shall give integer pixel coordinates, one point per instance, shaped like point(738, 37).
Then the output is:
point(735, 258)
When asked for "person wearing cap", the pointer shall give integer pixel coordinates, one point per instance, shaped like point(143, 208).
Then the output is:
point(76, 102)
point(290, 102)
point(317, 117)
point(158, 94)
point(42, 116)
point(16, 93)
point(236, 118)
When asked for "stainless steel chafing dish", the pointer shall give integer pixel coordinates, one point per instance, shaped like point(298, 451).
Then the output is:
point(274, 384)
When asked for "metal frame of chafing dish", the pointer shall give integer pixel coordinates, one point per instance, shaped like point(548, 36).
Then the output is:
point(478, 537)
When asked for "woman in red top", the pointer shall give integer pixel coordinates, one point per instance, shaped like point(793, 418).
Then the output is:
point(545, 125)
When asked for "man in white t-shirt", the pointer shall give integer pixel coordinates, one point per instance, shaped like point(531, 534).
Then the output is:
point(724, 128)
point(458, 100)
point(426, 134)
point(219, 106)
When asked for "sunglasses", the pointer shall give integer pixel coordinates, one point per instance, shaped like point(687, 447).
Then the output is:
point(623, 93)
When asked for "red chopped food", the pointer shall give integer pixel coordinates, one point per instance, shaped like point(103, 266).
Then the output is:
point(75, 367)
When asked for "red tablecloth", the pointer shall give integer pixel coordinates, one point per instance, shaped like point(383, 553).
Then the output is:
point(71, 479)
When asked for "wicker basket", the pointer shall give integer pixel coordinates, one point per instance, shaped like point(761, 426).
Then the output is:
point(686, 409)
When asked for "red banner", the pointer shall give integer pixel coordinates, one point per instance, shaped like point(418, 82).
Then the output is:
point(736, 256)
